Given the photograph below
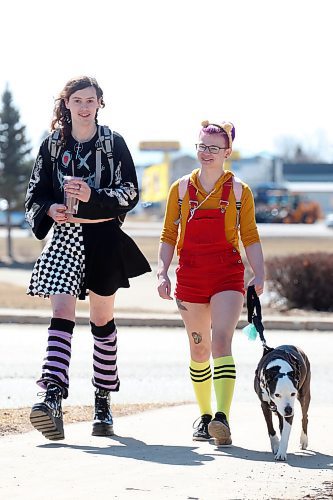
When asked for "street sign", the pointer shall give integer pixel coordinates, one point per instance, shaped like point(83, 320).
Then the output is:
point(159, 146)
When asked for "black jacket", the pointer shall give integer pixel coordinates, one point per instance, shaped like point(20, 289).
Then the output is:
point(114, 198)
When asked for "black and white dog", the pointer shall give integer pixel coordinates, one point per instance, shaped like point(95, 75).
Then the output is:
point(282, 375)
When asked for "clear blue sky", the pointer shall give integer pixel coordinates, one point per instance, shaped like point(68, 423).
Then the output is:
point(165, 66)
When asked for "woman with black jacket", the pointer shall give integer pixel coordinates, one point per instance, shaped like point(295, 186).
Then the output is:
point(88, 253)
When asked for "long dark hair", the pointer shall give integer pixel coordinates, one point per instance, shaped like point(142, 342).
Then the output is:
point(61, 115)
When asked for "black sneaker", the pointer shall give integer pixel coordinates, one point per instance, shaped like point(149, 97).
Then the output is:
point(201, 430)
point(219, 429)
point(46, 416)
point(103, 422)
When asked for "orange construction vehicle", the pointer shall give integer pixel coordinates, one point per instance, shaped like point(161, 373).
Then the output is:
point(276, 204)
point(303, 210)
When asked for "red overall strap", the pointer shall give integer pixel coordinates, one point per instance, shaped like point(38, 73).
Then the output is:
point(193, 196)
point(224, 201)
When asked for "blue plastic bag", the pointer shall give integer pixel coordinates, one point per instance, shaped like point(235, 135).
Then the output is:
point(250, 331)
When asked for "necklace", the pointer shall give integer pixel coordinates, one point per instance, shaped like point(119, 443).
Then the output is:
point(80, 141)
point(78, 148)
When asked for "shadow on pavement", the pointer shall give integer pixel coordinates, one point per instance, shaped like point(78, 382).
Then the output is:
point(139, 450)
point(186, 455)
point(306, 459)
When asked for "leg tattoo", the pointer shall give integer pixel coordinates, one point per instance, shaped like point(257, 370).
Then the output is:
point(196, 337)
point(180, 305)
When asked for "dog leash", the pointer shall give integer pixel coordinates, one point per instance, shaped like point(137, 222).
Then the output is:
point(254, 313)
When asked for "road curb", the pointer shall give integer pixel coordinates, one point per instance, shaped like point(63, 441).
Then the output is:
point(149, 319)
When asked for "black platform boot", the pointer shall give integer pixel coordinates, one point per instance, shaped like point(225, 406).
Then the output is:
point(103, 422)
point(46, 416)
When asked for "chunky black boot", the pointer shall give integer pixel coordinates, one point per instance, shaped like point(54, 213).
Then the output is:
point(46, 417)
point(103, 422)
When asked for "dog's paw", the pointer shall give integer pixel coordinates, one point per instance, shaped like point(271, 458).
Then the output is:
point(281, 456)
point(303, 441)
point(275, 442)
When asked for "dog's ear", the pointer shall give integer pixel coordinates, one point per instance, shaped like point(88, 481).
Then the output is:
point(271, 373)
point(296, 372)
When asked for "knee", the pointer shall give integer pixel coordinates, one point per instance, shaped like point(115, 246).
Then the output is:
point(221, 345)
point(101, 319)
point(64, 311)
point(200, 353)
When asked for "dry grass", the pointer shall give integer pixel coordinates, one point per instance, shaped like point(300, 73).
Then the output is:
point(15, 297)
point(16, 421)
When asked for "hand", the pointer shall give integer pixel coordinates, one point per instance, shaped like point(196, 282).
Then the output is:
point(258, 285)
point(57, 213)
point(79, 189)
point(164, 287)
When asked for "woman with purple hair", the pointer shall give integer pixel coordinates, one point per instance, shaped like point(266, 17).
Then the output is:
point(205, 224)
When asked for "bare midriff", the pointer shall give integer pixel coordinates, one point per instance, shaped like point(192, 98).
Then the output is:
point(86, 221)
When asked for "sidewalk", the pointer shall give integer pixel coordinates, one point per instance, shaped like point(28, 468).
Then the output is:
point(140, 305)
point(153, 457)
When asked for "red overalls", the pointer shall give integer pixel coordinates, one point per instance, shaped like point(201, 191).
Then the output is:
point(208, 263)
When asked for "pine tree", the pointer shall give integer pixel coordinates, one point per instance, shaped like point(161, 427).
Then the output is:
point(15, 161)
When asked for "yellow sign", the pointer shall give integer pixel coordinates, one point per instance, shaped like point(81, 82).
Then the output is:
point(155, 183)
point(159, 146)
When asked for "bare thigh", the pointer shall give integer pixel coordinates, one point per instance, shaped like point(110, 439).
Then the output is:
point(101, 308)
point(63, 306)
point(197, 321)
point(226, 308)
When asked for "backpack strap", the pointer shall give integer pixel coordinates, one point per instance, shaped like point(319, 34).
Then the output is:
point(238, 189)
point(54, 145)
point(105, 144)
point(182, 188)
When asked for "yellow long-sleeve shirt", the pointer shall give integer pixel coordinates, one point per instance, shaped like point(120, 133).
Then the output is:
point(173, 233)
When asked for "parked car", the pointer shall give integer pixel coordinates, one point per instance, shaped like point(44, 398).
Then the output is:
point(17, 219)
point(329, 220)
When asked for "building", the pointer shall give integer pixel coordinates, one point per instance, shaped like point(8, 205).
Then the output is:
point(311, 180)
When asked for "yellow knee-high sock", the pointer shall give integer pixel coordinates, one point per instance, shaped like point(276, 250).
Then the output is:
point(224, 383)
point(201, 376)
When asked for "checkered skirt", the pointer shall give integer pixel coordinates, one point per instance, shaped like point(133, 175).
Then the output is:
point(98, 257)
point(61, 265)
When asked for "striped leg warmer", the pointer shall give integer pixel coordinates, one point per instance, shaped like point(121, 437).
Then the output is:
point(58, 354)
point(105, 356)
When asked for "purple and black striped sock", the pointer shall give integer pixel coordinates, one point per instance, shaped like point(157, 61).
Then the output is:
point(58, 354)
point(105, 356)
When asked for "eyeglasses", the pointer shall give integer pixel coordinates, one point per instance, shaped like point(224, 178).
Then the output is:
point(212, 149)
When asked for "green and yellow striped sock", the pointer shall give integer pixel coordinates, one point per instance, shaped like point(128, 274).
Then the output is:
point(224, 383)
